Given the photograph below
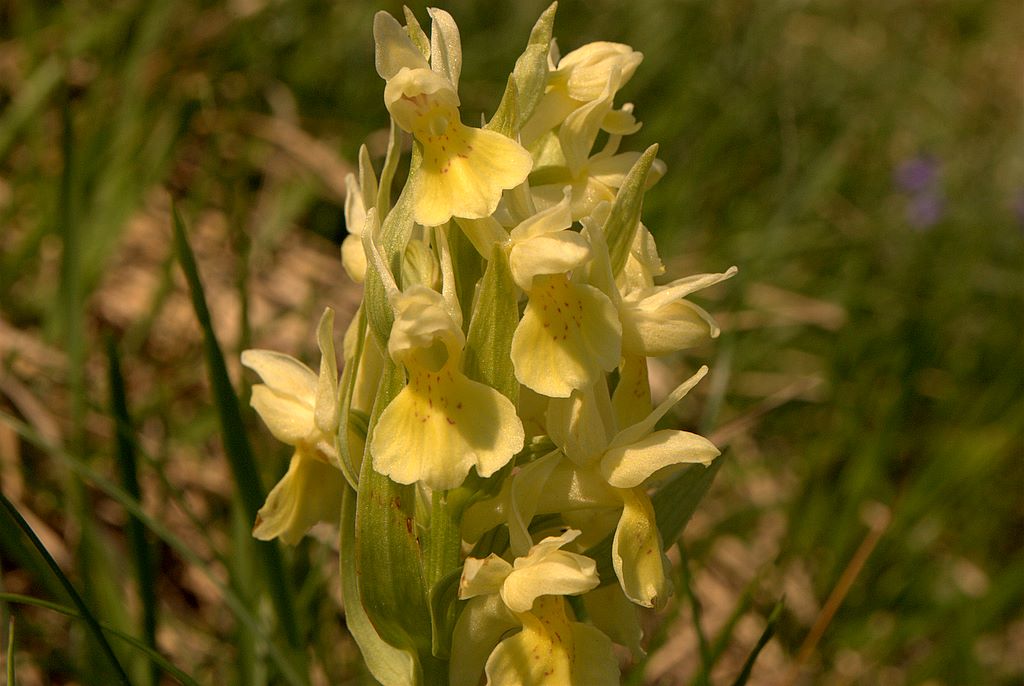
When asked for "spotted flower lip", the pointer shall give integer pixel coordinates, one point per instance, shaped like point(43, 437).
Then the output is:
point(464, 169)
point(441, 423)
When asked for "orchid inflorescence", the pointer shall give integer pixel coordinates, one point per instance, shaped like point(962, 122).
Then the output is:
point(490, 446)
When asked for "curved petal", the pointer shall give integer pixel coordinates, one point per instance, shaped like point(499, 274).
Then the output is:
point(553, 253)
point(394, 48)
point(555, 573)
point(289, 420)
point(569, 335)
point(637, 554)
point(464, 172)
point(629, 466)
point(483, 577)
point(327, 405)
point(442, 424)
point(576, 426)
point(673, 327)
point(551, 649)
point(283, 373)
point(309, 492)
point(632, 397)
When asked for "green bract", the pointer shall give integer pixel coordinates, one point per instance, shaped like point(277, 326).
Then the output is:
point(495, 372)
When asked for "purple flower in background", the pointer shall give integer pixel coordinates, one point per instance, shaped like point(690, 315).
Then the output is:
point(918, 178)
point(917, 174)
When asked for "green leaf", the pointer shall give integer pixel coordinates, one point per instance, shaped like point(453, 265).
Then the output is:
point(387, 551)
point(766, 635)
point(677, 500)
point(157, 659)
point(468, 267)
point(388, 664)
point(91, 623)
point(529, 77)
point(395, 231)
point(444, 612)
point(236, 443)
point(622, 222)
point(127, 465)
point(488, 357)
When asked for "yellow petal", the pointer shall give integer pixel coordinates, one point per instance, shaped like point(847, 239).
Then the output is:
point(632, 398)
point(630, 465)
point(553, 253)
point(283, 373)
point(483, 577)
point(637, 555)
point(309, 492)
point(569, 335)
point(550, 650)
point(464, 173)
point(440, 425)
point(673, 327)
point(289, 420)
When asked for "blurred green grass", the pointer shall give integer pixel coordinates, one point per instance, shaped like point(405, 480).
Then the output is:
point(786, 127)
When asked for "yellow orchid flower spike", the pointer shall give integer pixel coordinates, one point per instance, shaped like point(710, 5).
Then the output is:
point(464, 169)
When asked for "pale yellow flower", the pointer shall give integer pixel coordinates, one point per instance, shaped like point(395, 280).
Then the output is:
point(569, 334)
point(464, 169)
point(301, 409)
point(441, 423)
point(550, 648)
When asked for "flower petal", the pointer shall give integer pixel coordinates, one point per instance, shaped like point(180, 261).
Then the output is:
point(466, 177)
point(283, 373)
point(394, 48)
point(553, 253)
point(568, 336)
point(632, 434)
point(483, 577)
point(637, 553)
point(673, 327)
point(442, 424)
point(327, 401)
point(289, 420)
point(629, 466)
point(309, 492)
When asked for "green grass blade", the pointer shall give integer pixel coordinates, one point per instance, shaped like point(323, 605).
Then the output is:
point(236, 444)
point(766, 635)
point(90, 621)
point(10, 653)
point(127, 464)
point(231, 599)
point(157, 659)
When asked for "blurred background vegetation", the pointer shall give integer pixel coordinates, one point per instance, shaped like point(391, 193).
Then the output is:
point(862, 163)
